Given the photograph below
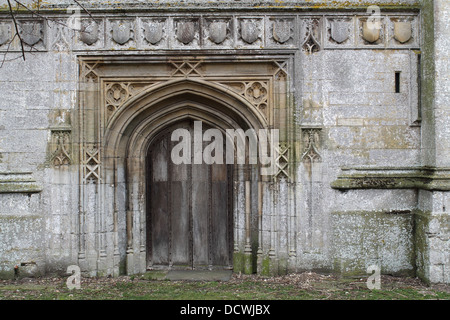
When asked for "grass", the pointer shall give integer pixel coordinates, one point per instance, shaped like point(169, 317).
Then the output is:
point(306, 286)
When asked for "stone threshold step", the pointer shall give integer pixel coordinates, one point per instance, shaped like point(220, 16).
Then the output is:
point(189, 275)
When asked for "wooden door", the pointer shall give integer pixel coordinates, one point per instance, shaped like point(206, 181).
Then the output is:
point(189, 211)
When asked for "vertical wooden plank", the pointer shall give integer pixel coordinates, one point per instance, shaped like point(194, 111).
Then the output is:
point(180, 253)
point(159, 204)
point(219, 215)
point(200, 204)
point(230, 221)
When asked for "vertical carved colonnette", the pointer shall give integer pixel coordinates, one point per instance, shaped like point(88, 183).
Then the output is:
point(280, 212)
point(91, 246)
point(311, 159)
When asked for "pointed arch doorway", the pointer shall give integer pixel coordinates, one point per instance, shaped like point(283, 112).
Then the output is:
point(189, 209)
point(131, 132)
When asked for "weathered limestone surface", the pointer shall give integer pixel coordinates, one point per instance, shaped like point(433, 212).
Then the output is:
point(364, 170)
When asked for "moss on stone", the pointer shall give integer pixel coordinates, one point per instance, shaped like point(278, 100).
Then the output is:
point(421, 222)
point(238, 262)
point(248, 263)
point(265, 267)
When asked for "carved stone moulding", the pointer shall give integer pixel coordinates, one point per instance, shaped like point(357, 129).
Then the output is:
point(61, 142)
point(117, 93)
point(371, 31)
point(310, 34)
point(256, 92)
point(252, 80)
point(251, 31)
point(5, 33)
point(19, 182)
point(154, 31)
point(60, 36)
point(311, 144)
point(90, 32)
point(32, 33)
point(339, 31)
point(402, 31)
point(393, 31)
point(218, 32)
point(425, 178)
point(91, 164)
point(281, 31)
point(122, 33)
point(282, 162)
point(186, 32)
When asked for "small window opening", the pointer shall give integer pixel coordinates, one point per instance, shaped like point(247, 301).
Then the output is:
point(397, 82)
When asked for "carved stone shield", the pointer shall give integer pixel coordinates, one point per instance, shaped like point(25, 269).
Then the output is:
point(153, 31)
point(339, 31)
point(5, 33)
point(281, 31)
point(249, 31)
point(371, 32)
point(31, 33)
point(121, 32)
point(89, 33)
point(218, 32)
point(402, 31)
point(185, 31)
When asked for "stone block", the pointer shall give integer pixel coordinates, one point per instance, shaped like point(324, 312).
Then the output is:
point(361, 239)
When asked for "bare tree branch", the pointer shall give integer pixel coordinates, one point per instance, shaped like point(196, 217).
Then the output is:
point(7, 50)
point(29, 10)
point(36, 13)
point(41, 16)
point(17, 29)
point(84, 9)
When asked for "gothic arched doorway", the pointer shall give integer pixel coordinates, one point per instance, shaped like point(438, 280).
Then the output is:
point(131, 139)
point(189, 207)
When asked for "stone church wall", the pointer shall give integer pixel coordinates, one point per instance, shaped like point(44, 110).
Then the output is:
point(364, 133)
